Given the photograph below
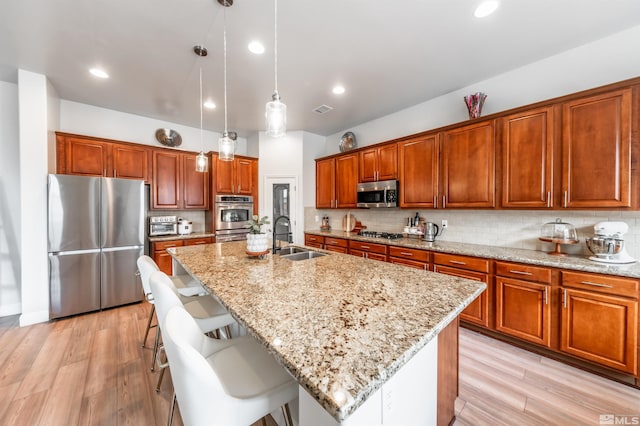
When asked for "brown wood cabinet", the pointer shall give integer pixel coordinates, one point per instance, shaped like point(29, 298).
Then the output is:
point(473, 268)
point(600, 320)
point(338, 245)
point(368, 250)
point(596, 150)
point(413, 258)
point(313, 241)
point(468, 166)
point(89, 156)
point(176, 184)
point(236, 177)
point(379, 163)
point(164, 259)
point(523, 307)
point(418, 172)
point(527, 159)
point(336, 182)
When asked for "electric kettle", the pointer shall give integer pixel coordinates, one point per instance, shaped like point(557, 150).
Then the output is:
point(431, 231)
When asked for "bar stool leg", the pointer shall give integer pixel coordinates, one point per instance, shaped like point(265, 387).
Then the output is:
point(160, 380)
point(173, 407)
point(146, 334)
point(155, 350)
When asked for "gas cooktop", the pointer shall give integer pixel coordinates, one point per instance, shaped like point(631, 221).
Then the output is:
point(374, 234)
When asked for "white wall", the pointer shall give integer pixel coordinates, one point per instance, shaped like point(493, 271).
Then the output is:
point(10, 301)
point(90, 120)
point(33, 127)
point(313, 147)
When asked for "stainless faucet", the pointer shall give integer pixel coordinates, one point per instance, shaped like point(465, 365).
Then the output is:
point(278, 236)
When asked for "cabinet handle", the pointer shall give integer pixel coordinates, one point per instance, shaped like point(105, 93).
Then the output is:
point(596, 284)
point(546, 295)
point(444, 201)
point(365, 247)
point(457, 262)
point(565, 199)
point(548, 198)
point(435, 202)
point(520, 272)
point(564, 298)
point(406, 254)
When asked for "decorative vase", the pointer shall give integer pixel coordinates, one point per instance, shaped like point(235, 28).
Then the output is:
point(474, 103)
point(257, 243)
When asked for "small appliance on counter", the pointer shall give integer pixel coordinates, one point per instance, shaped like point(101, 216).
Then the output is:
point(608, 243)
point(185, 227)
point(325, 223)
point(163, 225)
point(558, 232)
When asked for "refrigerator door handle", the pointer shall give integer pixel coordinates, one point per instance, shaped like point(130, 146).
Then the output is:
point(73, 252)
point(108, 249)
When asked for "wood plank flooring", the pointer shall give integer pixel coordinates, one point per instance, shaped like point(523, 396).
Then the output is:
point(92, 370)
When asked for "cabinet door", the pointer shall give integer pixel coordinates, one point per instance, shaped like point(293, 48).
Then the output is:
point(244, 176)
point(596, 146)
point(468, 166)
point(418, 172)
point(225, 183)
point(130, 162)
point(325, 183)
point(368, 165)
point(478, 311)
point(313, 241)
point(86, 157)
point(195, 185)
point(523, 310)
point(166, 180)
point(600, 328)
point(388, 162)
point(347, 181)
point(410, 263)
point(527, 159)
point(198, 241)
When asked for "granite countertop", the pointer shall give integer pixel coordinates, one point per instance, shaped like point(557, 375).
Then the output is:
point(533, 257)
point(341, 325)
point(191, 236)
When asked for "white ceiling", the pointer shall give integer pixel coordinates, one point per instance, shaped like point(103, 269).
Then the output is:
point(388, 55)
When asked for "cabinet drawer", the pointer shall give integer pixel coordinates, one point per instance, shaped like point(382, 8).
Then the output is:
point(313, 239)
point(338, 242)
point(601, 283)
point(336, 249)
point(198, 241)
point(523, 272)
point(408, 262)
point(369, 247)
point(462, 262)
point(407, 253)
point(163, 245)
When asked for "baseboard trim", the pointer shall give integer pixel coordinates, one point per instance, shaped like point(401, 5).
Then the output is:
point(34, 318)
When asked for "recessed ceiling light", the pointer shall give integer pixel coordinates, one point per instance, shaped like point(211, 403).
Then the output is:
point(256, 47)
point(338, 90)
point(486, 8)
point(97, 72)
point(209, 104)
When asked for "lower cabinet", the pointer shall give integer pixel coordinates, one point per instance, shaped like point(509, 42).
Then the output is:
point(412, 258)
point(479, 311)
point(523, 307)
point(338, 245)
point(313, 241)
point(600, 320)
point(164, 259)
point(368, 250)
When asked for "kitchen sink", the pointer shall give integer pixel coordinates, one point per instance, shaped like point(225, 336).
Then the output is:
point(303, 255)
point(291, 250)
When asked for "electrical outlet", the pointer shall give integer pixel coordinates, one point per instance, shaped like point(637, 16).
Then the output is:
point(445, 224)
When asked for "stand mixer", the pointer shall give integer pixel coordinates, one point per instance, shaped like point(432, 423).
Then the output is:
point(608, 243)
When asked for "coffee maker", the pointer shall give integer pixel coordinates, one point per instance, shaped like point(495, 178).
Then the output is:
point(608, 243)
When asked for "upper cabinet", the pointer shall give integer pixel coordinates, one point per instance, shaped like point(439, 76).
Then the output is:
point(418, 172)
point(176, 184)
point(336, 182)
point(468, 166)
point(596, 150)
point(236, 177)
point(527, 159)
point(87, 156)
point(380, 163)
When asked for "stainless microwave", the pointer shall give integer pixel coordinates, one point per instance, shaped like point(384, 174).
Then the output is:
point(378, 194)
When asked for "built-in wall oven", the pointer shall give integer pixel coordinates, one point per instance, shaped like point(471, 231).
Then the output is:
point(232, 217)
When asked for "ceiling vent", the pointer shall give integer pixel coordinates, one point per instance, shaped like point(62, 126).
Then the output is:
point(322, 109)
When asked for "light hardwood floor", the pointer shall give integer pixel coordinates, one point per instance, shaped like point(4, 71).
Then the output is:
point(91, 370)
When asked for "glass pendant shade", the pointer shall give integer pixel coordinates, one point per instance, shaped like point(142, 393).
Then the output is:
point(276, 116)
point(226, 148)
point(202, 162)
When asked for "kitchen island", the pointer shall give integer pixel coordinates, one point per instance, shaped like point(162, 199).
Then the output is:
point(351, 331)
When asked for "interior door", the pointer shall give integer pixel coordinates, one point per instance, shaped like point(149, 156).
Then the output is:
point(281, 200)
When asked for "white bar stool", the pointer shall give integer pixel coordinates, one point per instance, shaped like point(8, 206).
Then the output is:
point(234, 382)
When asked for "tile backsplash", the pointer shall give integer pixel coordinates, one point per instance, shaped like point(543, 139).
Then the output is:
point(195, 216)
point(500, 228)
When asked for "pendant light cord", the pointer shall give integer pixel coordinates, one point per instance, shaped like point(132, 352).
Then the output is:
point(275, 50)
point(225, 71)
point(201, 140)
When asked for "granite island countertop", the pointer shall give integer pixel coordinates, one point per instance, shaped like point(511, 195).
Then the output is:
point(532, 257)
point(341, 325)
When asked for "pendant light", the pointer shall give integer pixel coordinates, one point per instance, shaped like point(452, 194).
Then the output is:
point(202, 162)
point(226, 145)
point(276, 111)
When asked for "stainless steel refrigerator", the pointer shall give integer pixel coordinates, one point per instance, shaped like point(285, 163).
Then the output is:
point(96, 234)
